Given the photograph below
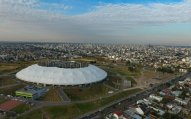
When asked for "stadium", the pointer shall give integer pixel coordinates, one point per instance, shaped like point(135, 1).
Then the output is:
point(64, 73)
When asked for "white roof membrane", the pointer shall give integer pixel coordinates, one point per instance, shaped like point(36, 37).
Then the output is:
point(61, 76)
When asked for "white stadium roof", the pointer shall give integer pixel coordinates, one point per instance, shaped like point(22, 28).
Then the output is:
point(61, 76)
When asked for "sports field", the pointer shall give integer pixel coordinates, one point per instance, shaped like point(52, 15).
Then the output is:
point(9, 105)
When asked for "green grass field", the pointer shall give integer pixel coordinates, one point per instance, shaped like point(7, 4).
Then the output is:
point(74, 110)
point(11, 90)
point(88, 59)
point(86, 93)
point(123, 70)
point(113, 70)
point(21, 108)
point(84, 59)
point(8, 68)
point(129, 78)
point(2, 100)
point(7, 80)
point(37, 114)
point(52, 95)
point(12, 67)
point(55, 112)
point(118, 96)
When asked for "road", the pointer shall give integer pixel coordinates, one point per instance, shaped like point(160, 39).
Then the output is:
point(41, 104)
point(123, 104)
point(63, 95)
point(120, 104)
point(8, 86)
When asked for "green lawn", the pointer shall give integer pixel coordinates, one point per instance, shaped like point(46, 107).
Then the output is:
point(84, 93)
point(119, 96)
point(11, 67)
point(55, 112)
point(129, 78)
point(121, 70)
point(5, 68)
point(21, 108)
point(85, 107)
point(37, 114)
point(7, 80)
point(74, 110)
point(11, 90)
point(2, 100)
point(62, 112)
point(52, 95)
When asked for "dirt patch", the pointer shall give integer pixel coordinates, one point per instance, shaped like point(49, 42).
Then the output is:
point(151, 77)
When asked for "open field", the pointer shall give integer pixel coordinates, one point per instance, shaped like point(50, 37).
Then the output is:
point(7, 80)
point(75, 110)
point(11, 90)
point(85, 93)
point(56, 112)
point(52, 95)
point(2, 100)
point(37, 114)
point(21, 108)
point(84, 59)
point(119, 96)
point(123, 70)
point(88, 59)
point(117, 74)
point(114, 70)
point(151, 77)
point(61, 112)
point(8, 68)
point(13, 67)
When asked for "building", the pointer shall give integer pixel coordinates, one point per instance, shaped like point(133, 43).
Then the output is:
point(115, 115)
point(31, 92)
point(154, 97)
point(50, 75)
point(131, 112)
point(181, 101)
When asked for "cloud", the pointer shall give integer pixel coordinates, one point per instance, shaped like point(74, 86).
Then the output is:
point(140, 14)
point(55, 7)
point(25, 20)
point(36, 20)
point(20, 2)
point(119, 19)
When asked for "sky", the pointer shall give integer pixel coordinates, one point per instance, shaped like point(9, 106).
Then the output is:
point(165, 22)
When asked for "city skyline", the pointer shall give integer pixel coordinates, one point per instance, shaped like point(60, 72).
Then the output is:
point(101, 21)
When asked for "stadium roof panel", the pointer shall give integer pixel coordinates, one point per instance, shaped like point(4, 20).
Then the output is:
point(61, 76)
